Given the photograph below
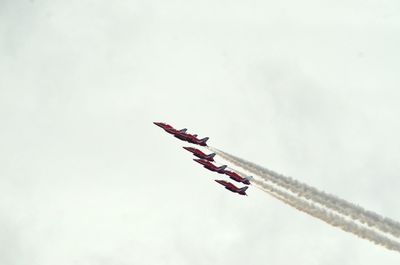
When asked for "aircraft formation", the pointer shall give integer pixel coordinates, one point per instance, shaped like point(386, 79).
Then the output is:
point(332, 210)
point(207, 160)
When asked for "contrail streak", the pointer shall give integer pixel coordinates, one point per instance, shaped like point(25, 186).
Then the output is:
point(356, 212)
point(328, 217)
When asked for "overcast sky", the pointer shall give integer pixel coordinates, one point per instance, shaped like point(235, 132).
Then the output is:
point(307, 88)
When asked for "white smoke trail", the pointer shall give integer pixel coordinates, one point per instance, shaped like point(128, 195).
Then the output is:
point(330, 201)
point(328, 217)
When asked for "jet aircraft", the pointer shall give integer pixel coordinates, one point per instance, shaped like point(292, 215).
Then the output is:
point(182, 135)
point(169, 129)
point(211, 166)
point(200, 154)
point(192, 138)
point(231, 187)
point(237, 177)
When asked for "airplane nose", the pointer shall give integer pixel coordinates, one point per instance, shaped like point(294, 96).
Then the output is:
point(157, 123)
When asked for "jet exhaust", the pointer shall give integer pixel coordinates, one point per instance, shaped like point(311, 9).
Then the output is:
point(326, 207)
point(331, 202)
point(329, 217)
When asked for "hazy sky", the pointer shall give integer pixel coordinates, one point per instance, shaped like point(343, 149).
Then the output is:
point(307, 88)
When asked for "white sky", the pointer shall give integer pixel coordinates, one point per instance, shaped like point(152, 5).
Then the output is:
point(307, 88)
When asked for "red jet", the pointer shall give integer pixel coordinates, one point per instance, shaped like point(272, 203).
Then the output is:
point(233, 188)
point(200, 154)
point(201, 142)
point(182, 135)
point(211, 166)
point(169, 129)
point(192, 138)
point(237, 177)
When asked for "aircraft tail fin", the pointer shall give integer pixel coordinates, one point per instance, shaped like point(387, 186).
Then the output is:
point(222, 167)
point(211, 155)
point(204, 140)
point(243, 190)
